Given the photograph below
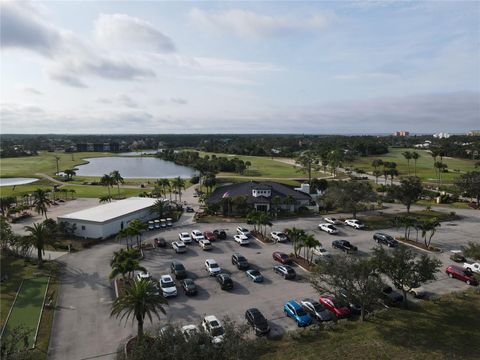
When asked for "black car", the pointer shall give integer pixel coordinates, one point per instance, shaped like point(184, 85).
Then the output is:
point(225, 281)
point(240, 261)
point(189, 286)
point(220, 234)
point(386, 239)
point(343, 245)
point(189, 209)
point(391, 296)
point(178, 270)
point(256, 319)
point(459, 258)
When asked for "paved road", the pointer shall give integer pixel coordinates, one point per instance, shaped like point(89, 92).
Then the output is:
point(82, 325)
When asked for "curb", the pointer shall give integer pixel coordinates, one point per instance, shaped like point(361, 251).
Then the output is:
point(41, 313)
point(419, 248)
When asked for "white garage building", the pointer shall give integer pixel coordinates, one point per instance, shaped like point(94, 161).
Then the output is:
point(106, 220)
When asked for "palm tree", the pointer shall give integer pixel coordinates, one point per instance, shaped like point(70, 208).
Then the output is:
point(57, 159)
point(136, 227)
point(415, 157)
point(179, 184)
point(377, 174)
point(296, 236)
point(107, 181)
point(276, 201)
point(72, 192)
point(41, 202)
point(428, 226)
point(139, 301)
point(117, 179)
point(160, 207)
point(104, 199)
point(408, 156)
point(307, 162)
point(70, 173)
point(335, 159)
point(125, 262)
point(310, 242)
point(38, 237)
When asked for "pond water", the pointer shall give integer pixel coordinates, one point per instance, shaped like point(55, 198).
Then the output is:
point(134, 167)
point(16, 181)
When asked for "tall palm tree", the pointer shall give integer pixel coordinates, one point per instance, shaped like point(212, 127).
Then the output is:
point(125, 262)
point(179, 184)
point(139, 301)
point(296, 238)
point(408, 156)
point(38, 237)
point(307, 162)
point(70, 173)
point(107, 181)
point(160, 207)
point(57, 159)
point(415, 157)
point(136, 227)
point(117, 179)
point(310, 242)
point(41, 201)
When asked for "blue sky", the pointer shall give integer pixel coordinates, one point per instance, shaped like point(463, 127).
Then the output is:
point(240, 67)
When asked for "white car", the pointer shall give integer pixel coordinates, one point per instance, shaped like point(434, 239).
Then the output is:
point(179, 247)
point(357, 224)
point(168, 286)
point(157, 224)
point(332, 220)
point(212, 267)
point(320, 251)
point(214, 328)
point(197, 235)
point(190, 331)
point(473, 266)
point(143, 276)
point(243, 231)
point(151, 225)
point(205, 244)
point(169, 222)
point(278, 236)
point(185, 238)
point(329, 228)
point(163, 223)
point(416, 291)
point(241, 240)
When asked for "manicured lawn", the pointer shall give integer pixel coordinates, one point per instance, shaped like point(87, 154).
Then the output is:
point(425, 168)
point(444, 329)
point(385, 220)
point(44, 163)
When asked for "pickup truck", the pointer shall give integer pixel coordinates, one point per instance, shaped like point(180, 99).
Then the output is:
point(473, 266)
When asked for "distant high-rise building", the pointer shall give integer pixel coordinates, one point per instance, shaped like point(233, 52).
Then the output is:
point(474, 133)
point(402, 133)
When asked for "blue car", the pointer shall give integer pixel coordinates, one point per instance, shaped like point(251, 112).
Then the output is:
point(296, 312)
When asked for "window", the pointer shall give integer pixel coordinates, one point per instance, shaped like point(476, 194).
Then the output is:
point(83, 227)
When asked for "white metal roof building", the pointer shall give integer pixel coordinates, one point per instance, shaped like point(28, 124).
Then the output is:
point(108, 219)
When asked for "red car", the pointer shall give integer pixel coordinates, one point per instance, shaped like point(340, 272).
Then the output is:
point(281, 257)
point(338, 308)
point(460, 273)
point(210, 236)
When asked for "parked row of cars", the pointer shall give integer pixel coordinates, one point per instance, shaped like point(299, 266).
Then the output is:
point(159, 223)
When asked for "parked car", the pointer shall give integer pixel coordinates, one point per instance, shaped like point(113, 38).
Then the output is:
point(462, 274)
point(278, 236)
point(343, 245)
point(320, 251)
point(205, 244)
point(189, 286)
point(189, 209)
point(190, 331)
point(225, 281)
point(243, 231)
point(416, 290)
point(168, 286)
point(197, 235)
point(332, 220)
point(257, 321)
point(296, 312)
point(178, 270)
point(143, 276)
point(457, 256)
point(240, 261)
point(255, 275)
point(157, 224)
point(185, 237)
point(241, 240)
point(391, 296)
point(316, 310)
point(286, 271)
point(179, 247)
point(212, 267)
point(169, 222)
point(220, 234)
point(163, 223)
point(214, 328)
point(355, 308)
point(338, 307)
point(382, 238)
point(210, 236)
point(281, 257)
point(473, 266)
point(160, 242)
point(151, 225)
point(328, 228)
point(357, 224)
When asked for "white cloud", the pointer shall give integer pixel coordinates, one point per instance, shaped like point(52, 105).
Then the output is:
point(367, 76)
point(250, 24)
point(127, 31)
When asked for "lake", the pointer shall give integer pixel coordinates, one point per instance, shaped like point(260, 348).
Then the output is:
point(16, 181)
point(134, 167)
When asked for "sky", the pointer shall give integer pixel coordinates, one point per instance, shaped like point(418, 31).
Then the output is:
point(343, 67)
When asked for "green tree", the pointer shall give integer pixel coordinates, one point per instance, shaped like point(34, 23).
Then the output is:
point(117, 179)
point(350, 277)
point(139, 302)
point(428, 228)
point(41, 201)
point(415, 157)
point(472, 250)
point(125, 261)
point(5, 204)
point(335, 159)
point(104, 199)
point(307, 161)
point(349, 195)
point(408, 156)
point(309, 243)
point(6, 233)
point(136, 228)
point(107, 181)
point(160, 207)
point(39, 235)
point(470, 184)
point(296, 238)
point(179, 185)
point(408, 192)
point(276, 201)
point(404, 268)
point(70, 173)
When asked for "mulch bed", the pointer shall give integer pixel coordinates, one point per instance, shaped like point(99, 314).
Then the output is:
point(300, 261)
point(260, 237)
point(420, 245)
point(120, 283)
point(132, 343)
